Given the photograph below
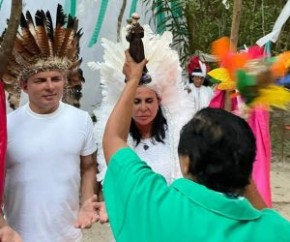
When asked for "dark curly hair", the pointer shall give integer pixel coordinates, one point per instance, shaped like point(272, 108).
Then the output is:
point(221, 148)
point(158, 129)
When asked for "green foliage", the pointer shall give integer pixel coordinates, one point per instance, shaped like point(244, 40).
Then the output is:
point(207, 20)
point(280, 135)
point(197, 23)
point(169, 15)
point(258, 18)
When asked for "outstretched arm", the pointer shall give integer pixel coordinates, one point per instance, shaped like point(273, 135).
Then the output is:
point(88, 213)
point(117, 128)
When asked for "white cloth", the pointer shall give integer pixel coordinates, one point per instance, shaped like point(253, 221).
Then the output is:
point(43, 172)
point(273, 36)
point(158, 156)
point(161, 157)
point(201, 96)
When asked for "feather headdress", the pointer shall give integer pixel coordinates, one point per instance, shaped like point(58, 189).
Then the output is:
point(165, 71)
point(196, 67)
point(39, 46)
point(251, 74)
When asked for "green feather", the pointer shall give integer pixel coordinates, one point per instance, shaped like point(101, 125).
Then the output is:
point(213, 80)
point(246, 85)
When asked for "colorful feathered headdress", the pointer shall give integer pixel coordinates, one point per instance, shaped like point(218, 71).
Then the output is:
point(196, 67)
point(251, 74)
point(39, 46)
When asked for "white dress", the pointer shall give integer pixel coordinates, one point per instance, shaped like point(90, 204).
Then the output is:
point(201, 96)
point(161, 157)
point(158, 156)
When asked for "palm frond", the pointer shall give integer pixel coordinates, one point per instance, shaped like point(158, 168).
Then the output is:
point(170, 14)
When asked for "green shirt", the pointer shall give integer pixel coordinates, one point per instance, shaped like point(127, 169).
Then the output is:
point(142, 207)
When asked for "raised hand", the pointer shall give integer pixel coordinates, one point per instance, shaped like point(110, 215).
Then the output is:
point(88, 213)
point(131, 69)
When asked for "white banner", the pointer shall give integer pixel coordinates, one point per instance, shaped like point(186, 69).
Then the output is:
point(273, 36)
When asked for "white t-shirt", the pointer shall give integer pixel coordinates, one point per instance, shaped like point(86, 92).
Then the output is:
point(43, 172)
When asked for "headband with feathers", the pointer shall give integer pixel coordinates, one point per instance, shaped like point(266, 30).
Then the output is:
point(196, 67)
point(41, 47)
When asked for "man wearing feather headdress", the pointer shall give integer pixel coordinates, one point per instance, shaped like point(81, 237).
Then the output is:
point(51, 150)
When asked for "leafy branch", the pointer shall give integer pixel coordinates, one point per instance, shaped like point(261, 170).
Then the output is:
point(169, 15)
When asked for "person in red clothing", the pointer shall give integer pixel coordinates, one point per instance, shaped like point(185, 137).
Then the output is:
point(3, 138)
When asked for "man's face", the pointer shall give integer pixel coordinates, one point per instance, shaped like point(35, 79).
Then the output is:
point(197, 81)
point(44, 90)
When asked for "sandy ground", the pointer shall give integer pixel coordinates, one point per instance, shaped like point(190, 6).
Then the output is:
point(280, 180)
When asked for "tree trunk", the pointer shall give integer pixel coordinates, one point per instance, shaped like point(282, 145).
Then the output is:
point(120, 18)
point(191, 29)
point(9, 37)
point(236, 23)
point(236, 19)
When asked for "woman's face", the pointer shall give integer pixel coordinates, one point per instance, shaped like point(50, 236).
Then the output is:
point(146, 104)
point(198, 81)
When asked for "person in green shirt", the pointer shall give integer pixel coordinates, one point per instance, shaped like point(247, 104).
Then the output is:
point(216, 150)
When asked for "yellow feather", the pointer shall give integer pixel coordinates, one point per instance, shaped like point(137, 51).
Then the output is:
point(274, 96)
point(223, 75)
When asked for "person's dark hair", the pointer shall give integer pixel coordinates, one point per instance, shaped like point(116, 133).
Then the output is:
point(158, 129)
point(221, 148)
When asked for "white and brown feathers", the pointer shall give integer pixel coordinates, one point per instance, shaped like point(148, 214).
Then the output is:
point(41, 47)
